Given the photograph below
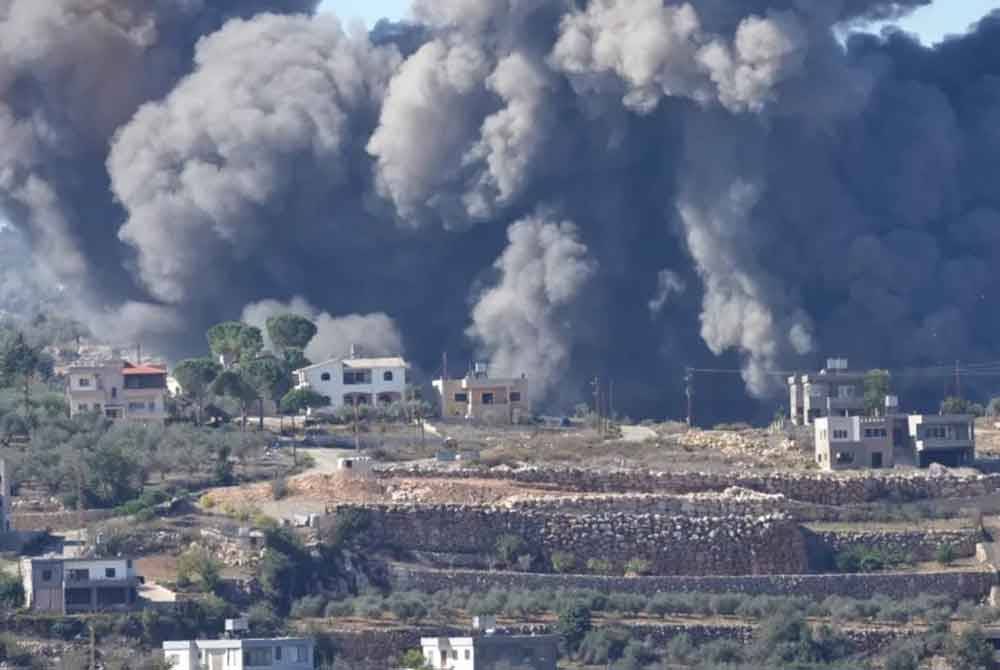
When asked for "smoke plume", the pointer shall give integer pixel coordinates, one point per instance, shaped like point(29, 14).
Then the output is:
point(809, 193)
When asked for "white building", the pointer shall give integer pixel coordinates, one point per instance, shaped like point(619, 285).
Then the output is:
point(63, 585)
point(117, 389)
point(287, 653)
point(487, 650)
point(356, 381)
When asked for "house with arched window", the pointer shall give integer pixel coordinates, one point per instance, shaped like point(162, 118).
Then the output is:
point(356, 381)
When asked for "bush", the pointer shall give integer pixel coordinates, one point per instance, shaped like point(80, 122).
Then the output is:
point(638, 566)
point(574, 624)
point(509, 547)
point(725, 604)
point(945, 554)
point(279, 488)
point(308, 607)
point(563, 562)
point(347, 526)
point(11, 592)
point(627, 603)
point(902, 659)
point(338, 608)
point(864, 559)
point(198, 565)
point(408, 607)
point(680, 649)
point(600, 566)
point(413, 660)
point(603, 645)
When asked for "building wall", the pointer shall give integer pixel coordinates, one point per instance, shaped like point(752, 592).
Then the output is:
point(105, 386)
point(236, 654)
point(335, 389)
point(853, 443)
point(464, 399)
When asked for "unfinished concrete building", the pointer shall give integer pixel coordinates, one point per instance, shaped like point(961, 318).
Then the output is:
point(833, 391)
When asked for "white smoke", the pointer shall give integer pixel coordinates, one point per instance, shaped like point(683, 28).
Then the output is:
point(668, 284)
point(523, 323)
point(374, 334)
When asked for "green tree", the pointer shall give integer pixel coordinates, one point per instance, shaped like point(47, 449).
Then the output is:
point(271, 379)
point(236, 384)
point(234, 342)
point(297, 401)
point(971, 650)
point(295, 359)
point(574, 624)
point(414, 659)
point(956, 405)
point(876, 389)
point(290, 331)
point(20, 362)
point(11, 592)
point(195, 376)
point(197, 565)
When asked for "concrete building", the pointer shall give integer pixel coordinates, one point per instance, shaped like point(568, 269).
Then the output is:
point(117, 389)
point(481, 397)
point(833, 391)
point(287, 653)
point(487, 650)
point(356, 381)
point(853, 442)
point(948, 439)
point(62, 585)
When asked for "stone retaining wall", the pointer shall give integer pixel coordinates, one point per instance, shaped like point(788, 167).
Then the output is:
point(672, 545)
point(819, 488)
point(57, 521)
point(916, 545)
point(966, 585)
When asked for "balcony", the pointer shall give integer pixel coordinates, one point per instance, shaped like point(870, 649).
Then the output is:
point(938, 444)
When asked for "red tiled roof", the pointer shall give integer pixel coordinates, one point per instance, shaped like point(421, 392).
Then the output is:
point(144, 369)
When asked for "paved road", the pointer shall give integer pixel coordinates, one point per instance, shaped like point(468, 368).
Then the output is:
point(637, 434)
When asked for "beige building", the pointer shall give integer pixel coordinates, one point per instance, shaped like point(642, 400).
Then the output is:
point(948, 439)
point(117, 389)
point(480, 397)
point(853, 442)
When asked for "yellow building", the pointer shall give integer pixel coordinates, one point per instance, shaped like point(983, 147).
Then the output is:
point(480, 397)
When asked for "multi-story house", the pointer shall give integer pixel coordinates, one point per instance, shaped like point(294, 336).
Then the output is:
point(488, 650)
point(73, 585)
point(117, 389)
point(356, 381)
point(481, 397)
point(286, 653)
point(853, 442)
point(833, 391)
point(948, 439)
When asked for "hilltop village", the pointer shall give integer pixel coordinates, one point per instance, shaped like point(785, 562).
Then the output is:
point(252, 508)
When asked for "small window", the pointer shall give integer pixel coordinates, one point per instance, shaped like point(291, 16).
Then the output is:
point(97, 407)
point(109, 573)
point(461, 397)
point(151, 405)
point(487, 398)
point(83, 407)
point(114, 391)
point(277, 653)
point(301, 656)
point(454, 654)
point(845, 457)
point(84, 382)
point(468, 654)
point(515, 396)
point(325, 377)
point(387, 376)
point(46, 575)
point(840, 434)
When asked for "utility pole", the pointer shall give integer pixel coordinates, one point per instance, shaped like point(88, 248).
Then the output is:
point(689, 392)
point(596, 383)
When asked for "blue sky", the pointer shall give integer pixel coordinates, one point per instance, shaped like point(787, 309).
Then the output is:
point(932, 23)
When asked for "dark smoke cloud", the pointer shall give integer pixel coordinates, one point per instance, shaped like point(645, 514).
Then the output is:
point(744, 189)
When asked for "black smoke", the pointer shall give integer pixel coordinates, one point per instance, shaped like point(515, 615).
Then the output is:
point(592, 187)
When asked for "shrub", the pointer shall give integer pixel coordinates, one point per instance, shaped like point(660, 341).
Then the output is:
point(509, 547)
point(279, 488)
point(574, 624)
point(197, 564)
point(627, 603)
point(563, 562)
point(413, 660)
point(338, 608)
point(945, 554)
point(347, 526)
point(524, 562)
point(680, 649)
point(308, 607)
point(603, 645)
point(600, 566)
point(408, 607)
point(725, 604)
point(665, 603)
point(971, 650)
point(902, 659)
point(638, 566)
point(11, 591)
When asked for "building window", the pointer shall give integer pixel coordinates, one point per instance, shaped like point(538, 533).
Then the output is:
point(109, 573)
point(461, 397)
point(301, 655)
point(78, 596)
point(839, 434)
point(151, 405)
point(845, 457)
point(78, 575)
point(97, 407)
point(355, 377)
point(136, 406)
point(487, 398)
point(82, 407)
point(258, 658)
point(83, 382)
point(277, 653)
point(515, 396)
point(325, 377)
point(387, 376)
point(114, 391)
point(468, 654)
point(845, 392)
point(46, 575)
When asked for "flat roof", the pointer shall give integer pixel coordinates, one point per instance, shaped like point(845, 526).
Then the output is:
point(385, 362)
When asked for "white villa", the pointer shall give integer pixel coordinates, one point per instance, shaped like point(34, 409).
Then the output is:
point(356, 381)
